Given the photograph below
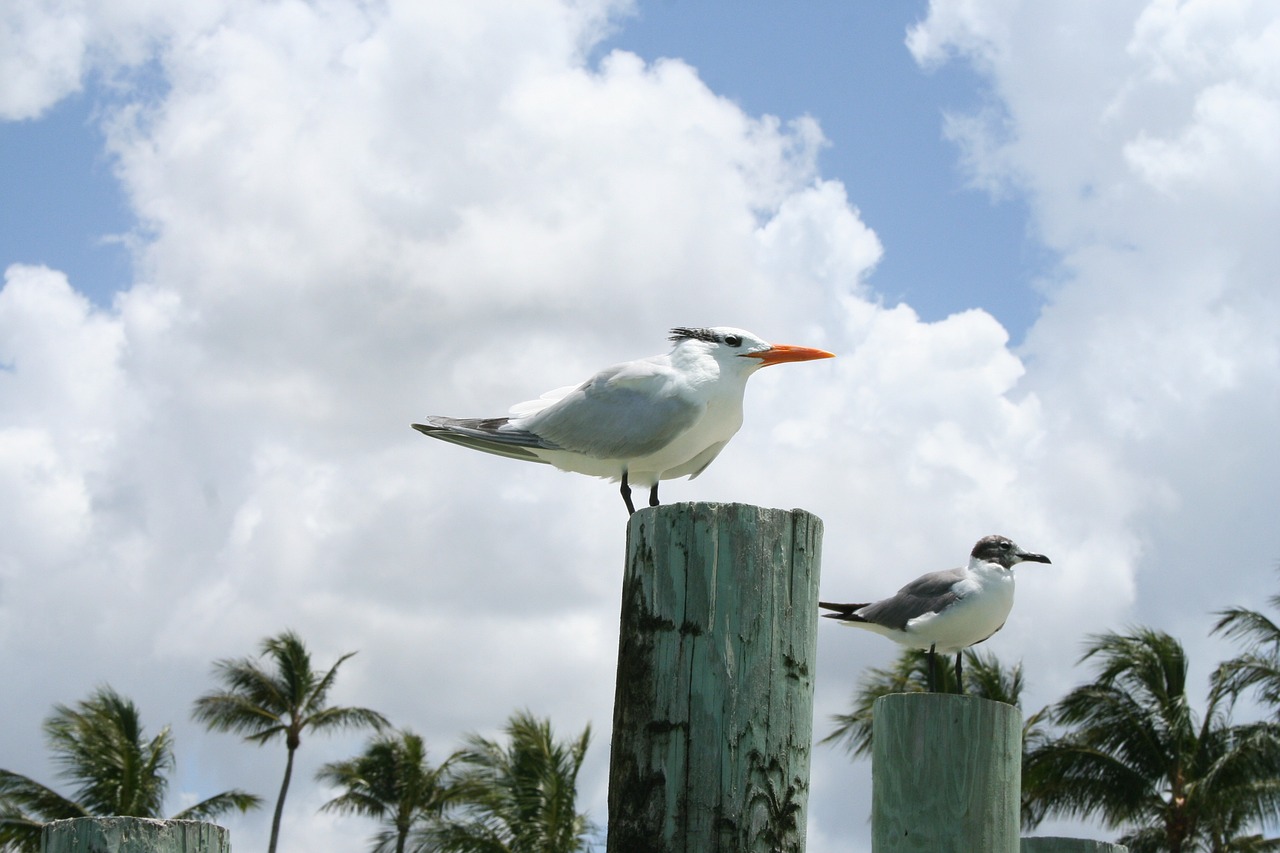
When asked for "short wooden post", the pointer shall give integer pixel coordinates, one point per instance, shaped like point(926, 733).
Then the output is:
point(1053, 844)
point(133, 835)
point(945, 774)
point(713, 714)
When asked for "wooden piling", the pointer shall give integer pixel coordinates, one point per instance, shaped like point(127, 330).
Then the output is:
point(713, 712)
point(133, 835)
point(1054, 844)
point(945, 774)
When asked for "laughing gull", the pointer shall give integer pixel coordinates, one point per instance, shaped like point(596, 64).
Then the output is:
point(946, 611)
point(640, 421)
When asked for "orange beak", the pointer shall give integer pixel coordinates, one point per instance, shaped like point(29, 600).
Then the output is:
point(779, 353)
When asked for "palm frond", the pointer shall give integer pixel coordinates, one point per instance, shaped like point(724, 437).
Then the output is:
point(219, 804)
point(30, 800)
point(239, 713)
point(320, 687)
point(520, 794)
point(1241, 623)
point(392, 782)
point(908, 674)
point(1134, 753)
point(100, 745)
point(328, 719)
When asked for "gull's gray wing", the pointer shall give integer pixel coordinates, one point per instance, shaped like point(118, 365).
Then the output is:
point(622, 412)
point(926, 594)
point(492, 435)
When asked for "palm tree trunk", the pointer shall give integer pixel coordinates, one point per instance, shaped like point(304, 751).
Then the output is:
point(284, 790)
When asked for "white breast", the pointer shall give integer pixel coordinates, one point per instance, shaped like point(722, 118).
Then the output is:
point(976, 616)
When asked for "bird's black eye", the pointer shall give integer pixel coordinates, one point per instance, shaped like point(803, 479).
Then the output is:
point(733, 340)
point(1006, 545)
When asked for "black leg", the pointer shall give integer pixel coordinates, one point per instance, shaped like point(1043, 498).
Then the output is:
point(959, 674)
point(626, 495)
point(933, 675)
point(653, 495)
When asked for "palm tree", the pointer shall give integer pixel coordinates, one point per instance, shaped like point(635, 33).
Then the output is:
point(99, 746)
point(1258, 667)
point(287, 700)
point(1136, 755)
point(392, 782)
point(519, 797)
point(984, 676)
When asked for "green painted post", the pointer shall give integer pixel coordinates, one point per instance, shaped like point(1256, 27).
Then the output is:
point(1053, 844)
point(133, 835)
point(713, 714)
point(945, 774)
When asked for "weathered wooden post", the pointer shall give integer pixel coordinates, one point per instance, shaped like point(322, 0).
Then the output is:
point(945, 774)
point(1053, 844)
point(713, 713)
point(133, 835)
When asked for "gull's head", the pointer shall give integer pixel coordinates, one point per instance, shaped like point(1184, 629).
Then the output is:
point(1003, 552)
point(727, 344)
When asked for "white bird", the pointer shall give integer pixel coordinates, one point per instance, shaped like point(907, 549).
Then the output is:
point(946, 611)
point(640, 421)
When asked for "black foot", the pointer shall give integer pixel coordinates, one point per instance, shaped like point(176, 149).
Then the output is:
point(626, 495)
point(959, 674)
point(653, 495)
point(933, 671)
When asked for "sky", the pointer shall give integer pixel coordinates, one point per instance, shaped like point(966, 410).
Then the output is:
point(246, 244)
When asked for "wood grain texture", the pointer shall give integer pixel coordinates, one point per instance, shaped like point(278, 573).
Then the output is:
point(945, 774)
point(1054, 844)
point(713, 713)
point(133, 835)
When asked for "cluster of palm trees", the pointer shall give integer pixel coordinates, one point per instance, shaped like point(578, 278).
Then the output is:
point(489, 797)
point(517, 796)
point(1128, 749)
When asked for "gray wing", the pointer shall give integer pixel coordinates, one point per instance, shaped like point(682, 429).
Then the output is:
point(492, 435)
point(926, 594)
point(622, 412)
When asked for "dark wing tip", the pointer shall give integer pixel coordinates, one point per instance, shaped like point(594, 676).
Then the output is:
point(842, 611)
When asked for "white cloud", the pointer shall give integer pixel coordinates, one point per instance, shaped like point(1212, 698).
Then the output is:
point(64, 398)
point(49, 47)
point(43, 60)
point(1144, 135)
point(354, 214)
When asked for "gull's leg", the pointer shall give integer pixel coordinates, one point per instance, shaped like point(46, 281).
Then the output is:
point(933, 676)
point(626, 494)
point(959, 674)
point(653, 495)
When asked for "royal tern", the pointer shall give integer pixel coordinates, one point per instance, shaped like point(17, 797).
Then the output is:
point(640, 421)
point(946, 611)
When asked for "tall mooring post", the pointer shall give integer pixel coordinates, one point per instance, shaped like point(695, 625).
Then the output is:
point(133, 835)
point(713, 714)
point(946, 774)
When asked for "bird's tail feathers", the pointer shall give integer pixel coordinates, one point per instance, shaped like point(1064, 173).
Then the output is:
point(844, 612)
point(491, 435)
